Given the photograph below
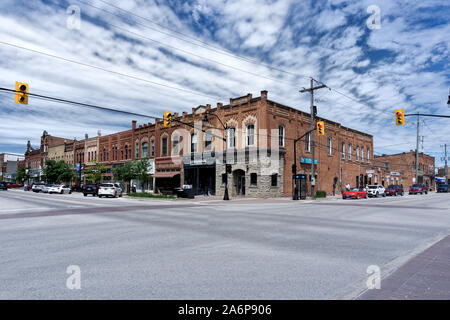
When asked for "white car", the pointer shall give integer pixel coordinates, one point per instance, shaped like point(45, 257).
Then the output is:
point(109, 190)
point(46, 187)
point(37, 187)
point(59, 189)
point(376, 191)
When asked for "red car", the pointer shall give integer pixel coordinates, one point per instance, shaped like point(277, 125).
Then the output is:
point(355, 193)
point(14, 185)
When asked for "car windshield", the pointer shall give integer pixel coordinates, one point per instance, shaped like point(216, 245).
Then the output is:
point(373, 187)
point(107, 185)
point(354, 189)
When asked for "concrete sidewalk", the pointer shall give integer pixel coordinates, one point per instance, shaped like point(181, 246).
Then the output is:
point(424, 277)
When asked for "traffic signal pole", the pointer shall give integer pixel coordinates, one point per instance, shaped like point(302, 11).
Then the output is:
point(294, 171)
point(313, 124)
point(417, 148)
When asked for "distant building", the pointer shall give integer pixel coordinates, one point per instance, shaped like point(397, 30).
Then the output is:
point(9, 163)
point(400, 168)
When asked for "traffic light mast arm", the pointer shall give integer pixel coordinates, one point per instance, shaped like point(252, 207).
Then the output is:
point(428, 115)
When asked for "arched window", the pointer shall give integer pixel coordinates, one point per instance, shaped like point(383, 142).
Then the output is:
point(164, 146)
point(144, 149)
point(208, 141)
point(281, 136)
point(126, 152)
point(250, 134)
point(136, 152)
point(357, 153)
point(152, 148)
point(193, 143)
point(231, 137)
point(175, 143)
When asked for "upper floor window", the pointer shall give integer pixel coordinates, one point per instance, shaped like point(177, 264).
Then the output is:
point(231, 137)
point(368, 155)
point(349, 151)
point(208, 141)
point(250, 134)
point(164, 146)
point(136, 155)
point(144, 149)
point(175, 145)
point(343, 150)
point(357, 153)
point(193, 143)
point(281, 136)
point(362, 154)
point(126, 152)
point(329, 146)
point(152, 148)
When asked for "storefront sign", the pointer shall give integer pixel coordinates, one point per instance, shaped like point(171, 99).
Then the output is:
point(394, 173)
point(307, 160)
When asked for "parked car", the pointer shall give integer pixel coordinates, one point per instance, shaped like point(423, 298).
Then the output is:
point(37, 187)
point(90, 188)
point(60, 188)
point(46, 187)
point(355, 193)
point(14, 185)
point(442, 187)
point(394, 190)
point(418, 188)
point(121, 186)
point(3, 185)
point(109, 190)
point(376, 191)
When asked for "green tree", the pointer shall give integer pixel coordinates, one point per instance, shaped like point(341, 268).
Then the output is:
point(125, 173)
point(57, 171)
point(95, 173)
point(23, 174)
point(141, 171)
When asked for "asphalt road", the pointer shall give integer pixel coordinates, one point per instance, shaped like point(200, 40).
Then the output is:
point(181, 249)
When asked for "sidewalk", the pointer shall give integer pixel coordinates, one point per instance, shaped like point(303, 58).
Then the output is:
point(424, 277)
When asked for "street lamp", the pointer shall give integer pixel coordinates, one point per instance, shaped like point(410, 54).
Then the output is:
point(205, 122)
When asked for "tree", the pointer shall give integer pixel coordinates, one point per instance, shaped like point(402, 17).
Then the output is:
point(141, 171)
point(95, 173)
point(125, 173)
point(23, 174)
point(57, 171)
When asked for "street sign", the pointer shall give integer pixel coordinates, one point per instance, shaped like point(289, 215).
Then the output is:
point(313, 181)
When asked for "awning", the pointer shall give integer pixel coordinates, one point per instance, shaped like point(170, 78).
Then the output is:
point(169, 174)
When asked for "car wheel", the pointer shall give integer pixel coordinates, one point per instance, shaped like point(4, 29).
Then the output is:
point(84, 194)
point(357, 196)
point(99, 196)
point(366, 196)
point(384, 194)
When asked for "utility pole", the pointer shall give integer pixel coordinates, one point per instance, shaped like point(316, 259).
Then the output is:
point(313, 124)
point(445, 161)
point(417, 148)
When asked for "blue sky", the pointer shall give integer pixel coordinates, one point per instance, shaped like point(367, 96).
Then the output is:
point(196, 45)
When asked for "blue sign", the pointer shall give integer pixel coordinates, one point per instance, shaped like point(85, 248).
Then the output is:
point(307, 160)
point(440, 179)
point(77, 166)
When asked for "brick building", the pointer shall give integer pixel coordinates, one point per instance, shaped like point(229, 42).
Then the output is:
point(400, 168)
point(259, 148)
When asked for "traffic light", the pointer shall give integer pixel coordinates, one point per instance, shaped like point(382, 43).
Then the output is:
point(21, 93)
point(167, 119)
point(400, 117)
point(320, 128)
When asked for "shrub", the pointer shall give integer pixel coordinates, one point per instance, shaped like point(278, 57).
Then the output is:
point(321, 194)
point(150, 195)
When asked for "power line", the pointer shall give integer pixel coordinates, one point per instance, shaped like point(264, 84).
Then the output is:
point(108, 70)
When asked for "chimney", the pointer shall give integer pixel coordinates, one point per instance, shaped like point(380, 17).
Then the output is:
point(133, 124)
point(219, 105)
point(99, 133)
point(208, 107)
point(264, 95)
point(175, 114)
point(184, 113)
point(86, 136)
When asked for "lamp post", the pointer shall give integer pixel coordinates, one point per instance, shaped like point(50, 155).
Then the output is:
point(205, 121)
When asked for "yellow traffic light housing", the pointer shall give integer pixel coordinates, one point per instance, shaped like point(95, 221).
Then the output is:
point(400, 117)
point(320, 128)
point(21, 95)
point(167, 119)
